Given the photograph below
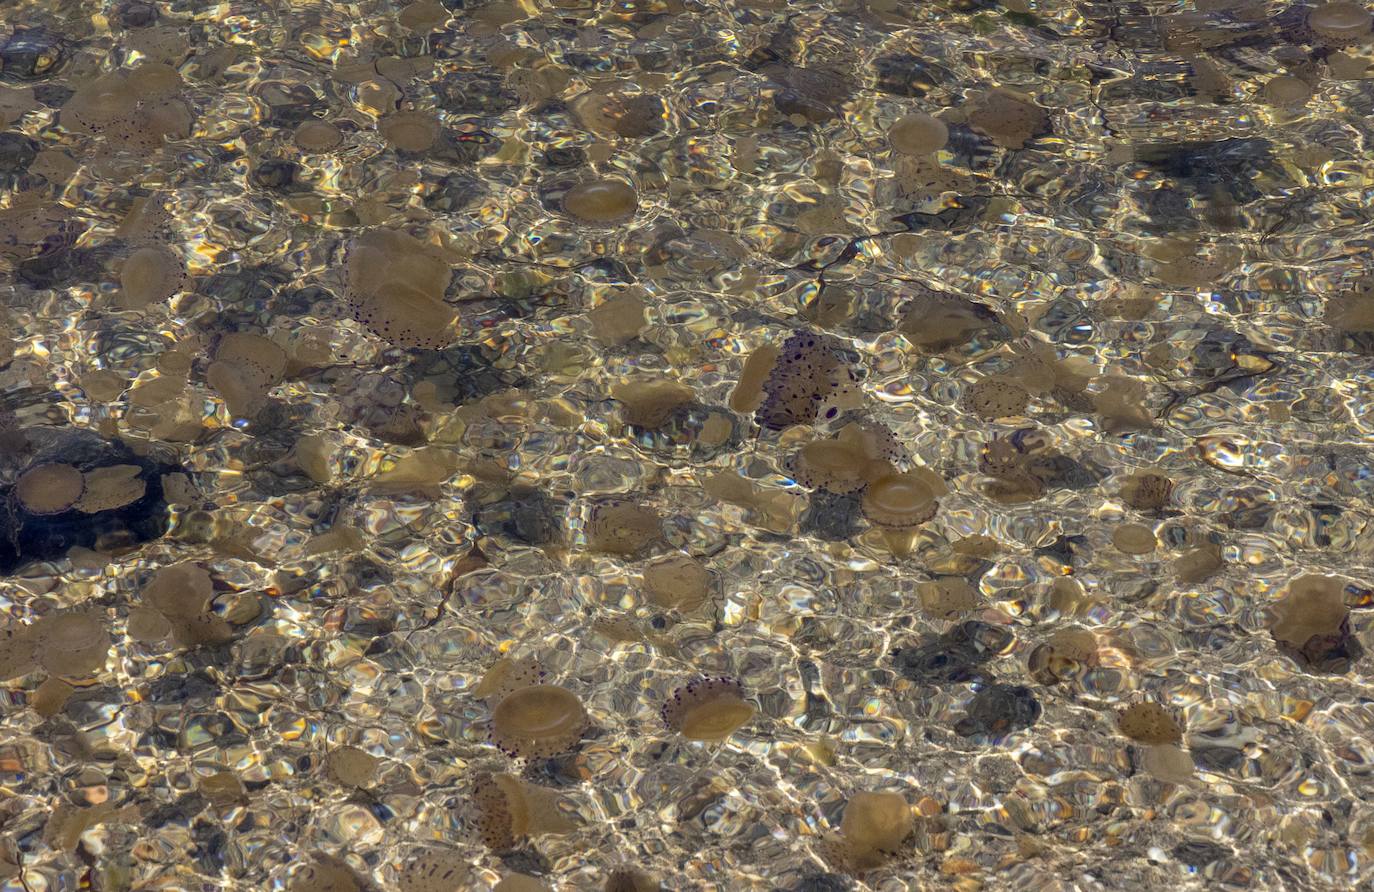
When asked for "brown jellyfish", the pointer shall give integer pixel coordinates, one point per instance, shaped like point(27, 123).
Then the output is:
point(601, 202)
point(324, 873)
point(150, 275)
point(631, 879)
point(618, 320)
point(748, 392)
point(1147, 491)
point(649, 403)
point(708, 709)
point(508, 675)
point(245, 368)
point(317, 136)
point(1008, 119)
point(677, 581)
point(856, 456)
point(811, 379)
point(623, 527)
point(1064, 655)
point(134, 108)
point(351, 767)
point(873, 829)
point(918, 134)
point(71, 644)
point(49, 488)
point(410, 131)
point(933, 320)
point(17, 651)
point(1134, 539)
point(898, 504)
point(1198, 563)
point(434, 869)
point(110, 487)
point(1341, 23)
point(948, 598)
point(996, 397)
point(520, 882)
point(509, 810)
point(1150, 723)
point(538, 722)
point(396, 286)
point(1311, 624)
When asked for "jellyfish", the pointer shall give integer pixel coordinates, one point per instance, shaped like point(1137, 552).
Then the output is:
point(509, 810)
point(50, 488)
point(677, 581)
point(1340, 24)
point(508, 675)
point(538, 721)
point(1008, 119)
point(872, 831)
point(601, 202)
point(1311, 624)
point(352, 767)
point(708, 709)
point(324, 873)
point(650, 403)
point(150, 275)
point(855, 457)
point(71, 644)
point(918, 134)
point(810, 379)
point(898, 504)
point(996, 397)
point(1147, 491)
point(413, 132)
point(246, 366)
point(623, 527)
point(1150, 723)
point(434, 869)
point(396, 286)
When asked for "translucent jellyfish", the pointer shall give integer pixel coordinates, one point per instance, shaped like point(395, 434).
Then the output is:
point(748, 392)
point(872, 831)
point(352, 767)
point(918, 134)
point(1009, 119)
point(410, 131)
point(324, 873)
point(1311, 624)
point(811, 379)
point(1147, 491)
point(1150, 723)
point(434, 869)
point(948, 598)
point(618, 320)
point(72, 644)
point(677, 581)
point(520, 882)
point(649, 403)
point(135, 109)
point(246, 366)
point(1134, 538)
point(111, 487)
point(903, 501)
point(396, 286)
point(1340, 23)
point(623, 527)
point(150, 275)
point(538, 721)
point(1286, 92)
point(601, 202)
point(508, 675)
point(1064, 655)
point(17, 653)
point(934, 321)
point(860, 453)
point(50, 488)
point(708, 709)
point(631, 879)
point(996, 397)
point(509, 810)
point(314, 135)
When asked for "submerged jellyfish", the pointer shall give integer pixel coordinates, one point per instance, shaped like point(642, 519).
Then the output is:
point(1149, 722)
point(396, 286)
point(898, 504)
point(810, 379)
point(601, 202)
point(509, 809)
point(872, 831)
point(538, 721)
point(508, 675)
point(708, 709)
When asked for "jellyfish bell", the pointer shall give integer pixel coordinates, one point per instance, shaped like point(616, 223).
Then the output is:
point(538, 722)
point(872, 831)
point(918, 134)
point(49, 488)
point(677, 581)
point(508, 675)
point(396, 287)
point(508, 809)
point(900, 503)
point(1150, 723)
point(601, 202)
point(150, 275)
point(708, 709)
point(71, 644)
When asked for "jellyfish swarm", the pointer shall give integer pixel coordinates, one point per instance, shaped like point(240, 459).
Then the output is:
point(709, 709)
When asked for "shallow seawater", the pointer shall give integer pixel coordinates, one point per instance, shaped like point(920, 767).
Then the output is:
point(686, 444)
